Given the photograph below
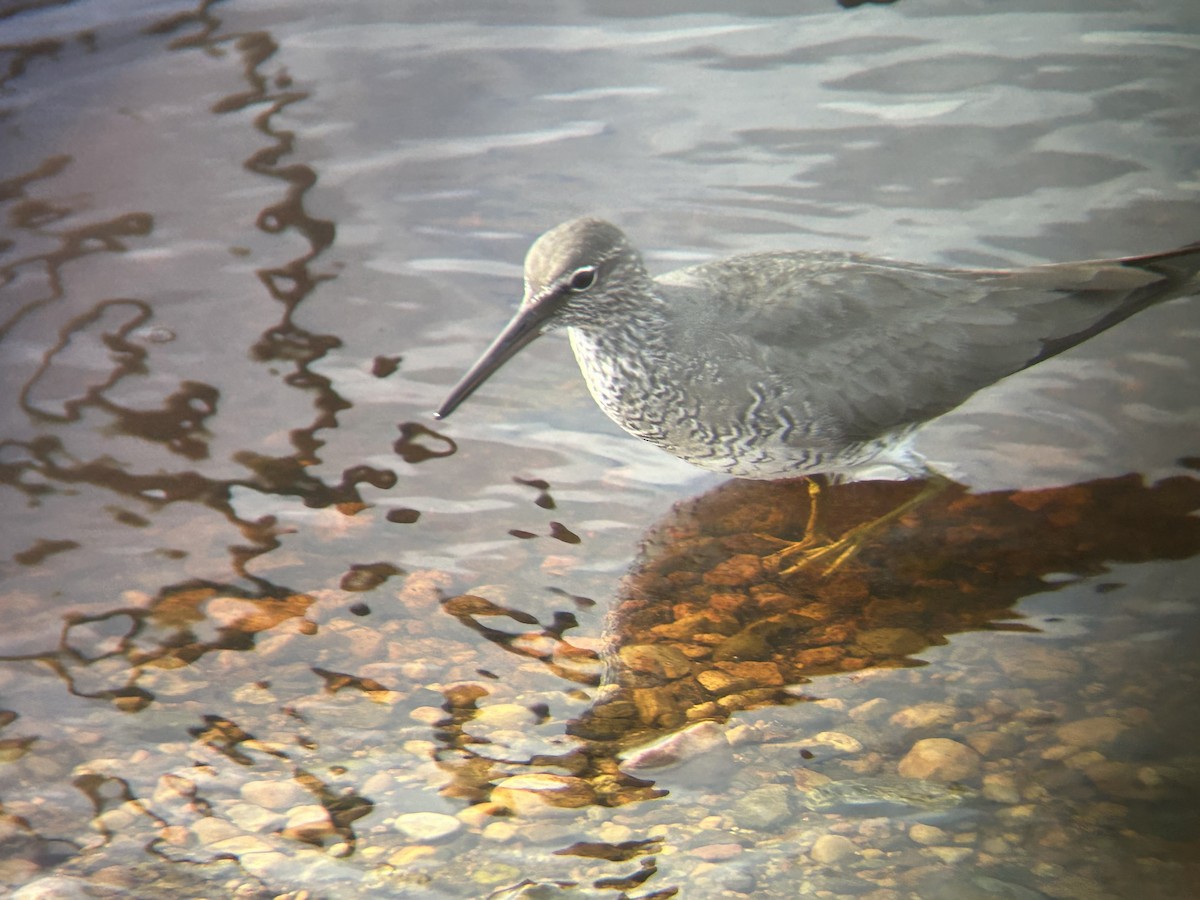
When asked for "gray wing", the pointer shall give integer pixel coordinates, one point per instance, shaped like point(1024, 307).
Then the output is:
point(860, 347)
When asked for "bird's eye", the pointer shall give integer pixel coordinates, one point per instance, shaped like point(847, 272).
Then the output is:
point(583, 278)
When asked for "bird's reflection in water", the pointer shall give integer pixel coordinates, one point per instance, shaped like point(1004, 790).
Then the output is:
point(702, 629)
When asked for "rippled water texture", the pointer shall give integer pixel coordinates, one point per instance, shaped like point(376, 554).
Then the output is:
point(271, 630)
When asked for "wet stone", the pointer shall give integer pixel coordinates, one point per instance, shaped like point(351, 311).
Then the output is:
point(703, 746)
point(654, 660)
point(745, 645)
point(504, 715)
point(926, 835)
point(940, 759)
point(311, 823)
point(210, 830)
point(1094, 732)
point(1037, 663)
point(1001, 788)
point(762, 808)
point(427, 826)
point(883, 790)
point(717, 682)
point(739, 570)
point(242, 844)
point(658, 706)
point(686, 628)
point(724, 880)
point(992, 743)
point(761, 674)
point(499, 832)
point(716, 852)
point(949, 855)
point(830, 849)
point(891, 641)
point(54, 887)
point(542, 794)
point(925, 715)
point(818, 657)
point(837, 742)
point(251, 817)
point(277, 795)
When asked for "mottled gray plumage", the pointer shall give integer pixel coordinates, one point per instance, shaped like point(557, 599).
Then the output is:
point(773, 365)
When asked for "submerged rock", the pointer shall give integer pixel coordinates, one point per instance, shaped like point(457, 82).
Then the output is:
point(832, 848)
point(941, 759)
point(885, 790)
point(762, 808)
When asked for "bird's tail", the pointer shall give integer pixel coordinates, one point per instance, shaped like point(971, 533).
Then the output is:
point(1179, 267)
point(1173, 273)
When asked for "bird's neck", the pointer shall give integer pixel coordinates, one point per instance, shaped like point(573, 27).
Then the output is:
point(620, 358)
point(634, 327)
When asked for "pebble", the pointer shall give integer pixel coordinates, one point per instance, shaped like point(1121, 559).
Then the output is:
point(242, 844)
point(251, 817)
point(54, 887)
point(949, 855)
point(870, 709)
point(427, 826)
point(940, 759)
point(891, 641)
point(500, 832)
point(925, 715)
point(762, 808)
point(311, 823)
point(716, 852)
point(266, 864)
point(742, 569)
point(712, 880)
point(717, 682)
point(172, 787)
point(702, 747)
point(658, 661)
point(504, 715)
point(278, 795)
point(992, 743)
point(838, 741)
point(832, 848)
point(1001, 788)
point(543, 794)
point(1038, 663)
point(379, 783)
point(211, 829)
point(1089, 733)
point(921, 833)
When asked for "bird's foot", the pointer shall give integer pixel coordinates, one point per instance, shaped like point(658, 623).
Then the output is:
point(813, 551)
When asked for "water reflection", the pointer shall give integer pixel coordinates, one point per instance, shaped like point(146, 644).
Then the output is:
point(702, 629)
point(95, 401)
point(90, 368)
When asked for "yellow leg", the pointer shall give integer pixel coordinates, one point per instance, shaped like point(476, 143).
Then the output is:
point(811, 527)
point(811, 550)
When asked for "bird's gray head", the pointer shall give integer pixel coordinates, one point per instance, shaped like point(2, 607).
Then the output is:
point(584, 269)
point(584, 273)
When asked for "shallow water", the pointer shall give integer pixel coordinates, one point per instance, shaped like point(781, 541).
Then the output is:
point(260, 608)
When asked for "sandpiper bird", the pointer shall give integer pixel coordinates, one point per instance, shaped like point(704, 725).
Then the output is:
point(777, 365)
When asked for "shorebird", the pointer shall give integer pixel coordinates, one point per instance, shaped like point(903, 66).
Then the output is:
point(785, 364)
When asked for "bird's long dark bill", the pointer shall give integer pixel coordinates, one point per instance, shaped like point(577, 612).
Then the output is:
point(520, 330)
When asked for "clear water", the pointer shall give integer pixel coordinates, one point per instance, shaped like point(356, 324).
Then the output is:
point(246, 249)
